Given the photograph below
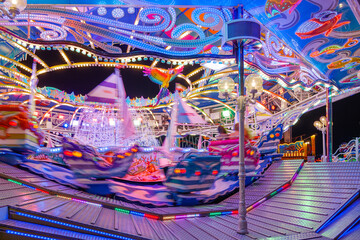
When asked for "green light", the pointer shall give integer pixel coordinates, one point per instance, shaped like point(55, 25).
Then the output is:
point(273, 193)
point(10, 180)
point(215, 214)
point(226, 113)
point(122, 210)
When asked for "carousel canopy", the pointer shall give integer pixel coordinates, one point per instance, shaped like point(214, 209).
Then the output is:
point(305, 48)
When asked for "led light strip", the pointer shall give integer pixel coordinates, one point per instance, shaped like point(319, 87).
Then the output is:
point(280, 189)
point(29, 235)
point(72, 226)
point(125, 211)
point(22, 184)
point(60, 196)
point(325, 224)
point(79, 200)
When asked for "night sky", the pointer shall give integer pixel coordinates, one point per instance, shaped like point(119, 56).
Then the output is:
point(346, 123)
point(83, 80)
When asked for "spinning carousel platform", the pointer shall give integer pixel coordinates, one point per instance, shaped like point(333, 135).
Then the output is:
point(293, 200)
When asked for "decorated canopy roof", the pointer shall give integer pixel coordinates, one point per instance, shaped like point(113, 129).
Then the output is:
point(306, 46)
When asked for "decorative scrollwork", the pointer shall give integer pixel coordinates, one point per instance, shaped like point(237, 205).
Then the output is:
point(213, 13)
point(155, 16)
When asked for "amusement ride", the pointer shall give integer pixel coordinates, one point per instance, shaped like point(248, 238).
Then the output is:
point(157, 167)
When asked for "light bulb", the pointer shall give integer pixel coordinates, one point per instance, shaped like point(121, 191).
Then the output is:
point(323, 120)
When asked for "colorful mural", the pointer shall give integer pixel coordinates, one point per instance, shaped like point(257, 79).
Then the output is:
point(324, 32)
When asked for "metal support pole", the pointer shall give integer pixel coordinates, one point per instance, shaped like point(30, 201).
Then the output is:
point(323, 158)
point(329, 124)
point(242, 227)
point(357, 148)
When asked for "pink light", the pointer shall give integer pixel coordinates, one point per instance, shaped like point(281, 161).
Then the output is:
point(61, 116)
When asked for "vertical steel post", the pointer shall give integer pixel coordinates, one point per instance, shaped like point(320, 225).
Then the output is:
point(357, 148)
point(242, 227)
point(329, 124)
point(323, 158)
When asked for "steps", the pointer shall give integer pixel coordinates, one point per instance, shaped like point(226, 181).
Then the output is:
point(14, 228)
point(17, 224)
point(343, 222)
point(353, 233)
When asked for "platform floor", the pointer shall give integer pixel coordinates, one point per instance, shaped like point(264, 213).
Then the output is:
point(319, 191)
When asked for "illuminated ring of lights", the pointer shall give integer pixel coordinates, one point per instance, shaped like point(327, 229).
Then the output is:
point(117, 13)
point(131, 10)
point(215, 50)
point(101, 11)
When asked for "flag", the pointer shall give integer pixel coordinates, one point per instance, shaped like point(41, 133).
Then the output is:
point(105, 92)
point(187, 114)
point(128, 125)
point(199, 146)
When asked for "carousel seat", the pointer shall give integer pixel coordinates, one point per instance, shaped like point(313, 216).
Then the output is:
point(196, 172)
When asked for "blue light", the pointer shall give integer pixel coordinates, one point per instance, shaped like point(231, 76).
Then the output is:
point(66, 125)
point(226, 213)
point(335, 214)
point(72, 226)
point(349, 228)
point(29, 235)
point(28, 186)
point(137, 213)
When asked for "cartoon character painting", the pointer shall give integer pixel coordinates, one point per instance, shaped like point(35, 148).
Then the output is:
point(333, 48)
point(345, 63)
point(275, 7)
point(322, 23)
point(351, 79)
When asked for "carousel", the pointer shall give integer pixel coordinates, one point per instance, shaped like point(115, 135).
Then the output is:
point(104, 165)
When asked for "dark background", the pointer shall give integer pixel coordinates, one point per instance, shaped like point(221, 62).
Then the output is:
point(346, 123)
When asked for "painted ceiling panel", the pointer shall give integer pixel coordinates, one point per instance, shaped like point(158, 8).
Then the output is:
point(325, 32)
point(305, 45)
